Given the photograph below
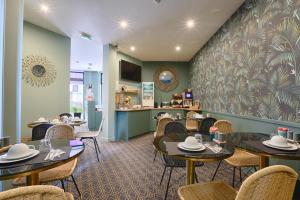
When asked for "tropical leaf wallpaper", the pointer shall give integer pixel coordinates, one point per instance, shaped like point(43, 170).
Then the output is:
point(251, 66)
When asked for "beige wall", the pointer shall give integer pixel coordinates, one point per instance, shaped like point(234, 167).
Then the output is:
point(51, 100)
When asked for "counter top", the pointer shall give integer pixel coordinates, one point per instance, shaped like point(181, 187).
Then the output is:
point(145, 109)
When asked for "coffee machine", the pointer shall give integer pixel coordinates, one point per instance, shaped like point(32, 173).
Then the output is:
point(187, 98)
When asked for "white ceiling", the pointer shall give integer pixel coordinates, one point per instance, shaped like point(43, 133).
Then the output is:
point(154, 29)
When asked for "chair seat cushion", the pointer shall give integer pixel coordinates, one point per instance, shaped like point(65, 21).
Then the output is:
point(88, 134)
point(57, 173)
point(243, 159)
point(207, 191)
point(171, 162)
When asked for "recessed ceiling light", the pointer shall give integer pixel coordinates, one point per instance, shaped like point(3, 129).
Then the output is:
point(123, 24)
point(44, 8)
point(132, 48)
point(190, 23)
point(86, 36)
point(177, 48)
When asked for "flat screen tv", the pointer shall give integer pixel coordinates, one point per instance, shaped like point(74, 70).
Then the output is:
point(130, 71)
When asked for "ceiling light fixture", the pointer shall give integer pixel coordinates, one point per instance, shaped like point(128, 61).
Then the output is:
point(86, 36)
point(177, 48)
point(190, 23)
point(123, 24)
point(44, 8)
point(132, 48)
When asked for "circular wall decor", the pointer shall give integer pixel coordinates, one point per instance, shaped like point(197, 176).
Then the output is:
point(166, 78)
point(38, 71)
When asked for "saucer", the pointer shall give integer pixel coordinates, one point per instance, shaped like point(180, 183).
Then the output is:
point(5, 161)
point(276, 145)
point(291, 148)
point(183, 147)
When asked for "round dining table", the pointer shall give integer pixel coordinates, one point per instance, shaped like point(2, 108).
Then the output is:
point(33, 166)
point(252, 142)
point(167, 145)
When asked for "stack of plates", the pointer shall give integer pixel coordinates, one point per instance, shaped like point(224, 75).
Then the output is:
point(188, 147)
point(287, 147)
point(23, 156)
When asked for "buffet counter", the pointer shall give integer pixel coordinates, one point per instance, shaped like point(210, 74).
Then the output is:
point(134, 122)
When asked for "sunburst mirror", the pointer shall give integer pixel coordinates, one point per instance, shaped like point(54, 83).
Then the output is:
point(38, 71)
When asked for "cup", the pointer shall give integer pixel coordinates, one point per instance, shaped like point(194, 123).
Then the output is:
point(290, 135)
point(4, 141)
point(45, 146)
point(221, 137)
point(296, 137)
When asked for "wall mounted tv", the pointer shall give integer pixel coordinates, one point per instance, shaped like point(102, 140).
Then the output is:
point(130, 71)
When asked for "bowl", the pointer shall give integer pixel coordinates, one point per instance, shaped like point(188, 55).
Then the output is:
point(19, 150)
point(279, 141)
point(191, 141)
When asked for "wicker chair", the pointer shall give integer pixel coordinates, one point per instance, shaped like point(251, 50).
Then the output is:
point(60, 131)
point(160, 128)
point(39, 131)
point(271, 183)
point(191, 124)
point(175, 131)
point(92, 135)
point(37, 192)
point(240, 158)
point(58, 173)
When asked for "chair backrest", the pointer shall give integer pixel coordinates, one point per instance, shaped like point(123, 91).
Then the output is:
point(275, 182)
point(174, 127)
point(39, 131)
point(65, 114)
point(160, 129)
point(191, 123)
point(206, 123)
point(60, 131)
point(224, 126)
point(45, 192)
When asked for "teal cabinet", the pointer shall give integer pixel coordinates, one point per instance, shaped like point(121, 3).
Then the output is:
point(94, 117)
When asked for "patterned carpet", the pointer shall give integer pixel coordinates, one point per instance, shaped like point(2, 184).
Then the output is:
point(126, 171)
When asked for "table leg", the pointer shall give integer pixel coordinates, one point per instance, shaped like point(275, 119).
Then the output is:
point(263, 162)
point(190, 172)
point(32, 179)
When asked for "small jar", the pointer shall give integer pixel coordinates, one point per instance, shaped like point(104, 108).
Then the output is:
point(282, 132)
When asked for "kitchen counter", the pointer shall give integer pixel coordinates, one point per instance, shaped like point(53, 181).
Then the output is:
point(142, 109)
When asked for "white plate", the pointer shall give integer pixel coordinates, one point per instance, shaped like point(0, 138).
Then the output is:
point(291, 148)
point(181, 146)
point(5, 156)
point(4, 161)
point(275, 145)
point(198, 146)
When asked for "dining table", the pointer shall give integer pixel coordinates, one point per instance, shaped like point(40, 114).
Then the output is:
point(253, 143)
point(33, 166)
point(167, 145)
point(71, 123)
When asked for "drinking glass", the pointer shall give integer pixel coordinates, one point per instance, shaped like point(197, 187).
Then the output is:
point(45, 145)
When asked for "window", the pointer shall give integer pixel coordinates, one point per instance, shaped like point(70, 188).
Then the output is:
point(76, 92)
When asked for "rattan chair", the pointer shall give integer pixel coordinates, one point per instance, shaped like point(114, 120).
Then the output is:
point(37, 192)
point(62, 172)
point(160, 129)
point(191, 124)
point(271, 183)
point(175, 131)
point(92, 135)
point(60, 131)
point(39, 131)
point(240, 158)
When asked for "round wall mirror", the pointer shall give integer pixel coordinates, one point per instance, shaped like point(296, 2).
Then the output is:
point(38, 70)
point(166, 78)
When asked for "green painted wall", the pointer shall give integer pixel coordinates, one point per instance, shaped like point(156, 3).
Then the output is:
point(182, 69)
point(51, 100)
